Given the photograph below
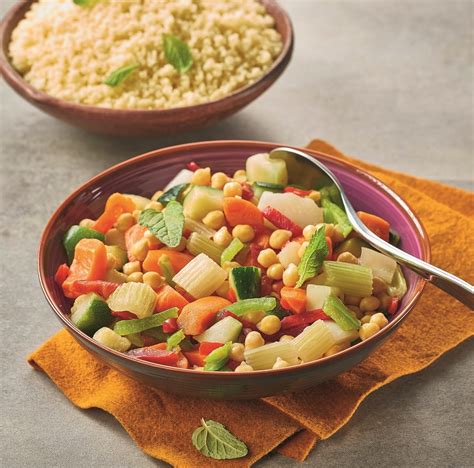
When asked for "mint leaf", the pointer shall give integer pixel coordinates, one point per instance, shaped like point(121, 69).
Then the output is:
point(166, 225)
point(172, 194)
point(218, 358)
point(117, 76)
point(175, 339)
point(213, 440)
point(313, 257)
point(177, 53)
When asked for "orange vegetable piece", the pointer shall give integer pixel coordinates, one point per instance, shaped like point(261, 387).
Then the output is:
point(133, 235)
point(240, 211)
point(195, 358)
point(116, 205)
point(199, 315)
point(377, 225)
point(178, 260)
point(293, 299)
point(90, 263)
point(167, 297)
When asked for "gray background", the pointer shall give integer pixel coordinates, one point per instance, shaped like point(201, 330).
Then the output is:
point(389, 81)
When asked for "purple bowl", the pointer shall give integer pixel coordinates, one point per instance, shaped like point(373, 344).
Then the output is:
point(145, 174)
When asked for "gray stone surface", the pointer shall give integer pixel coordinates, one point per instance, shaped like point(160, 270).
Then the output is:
point(387, 80)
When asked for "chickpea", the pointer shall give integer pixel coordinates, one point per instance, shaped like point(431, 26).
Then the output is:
point(270, 324)
point(136, 277)
point(218, 180)
point(369, 304)
point(290, 275)
point(115, 237)
point(337, 348)
point(157, 195)
point(140, 249)
point(378, 286)
point(243, 367)
point(87, 223)
point(254, 316)
point(154, 205)
point(280, 363)
point(347, 257)
point(153, 279)
point(223, 289)
point(379, 319)
point(357, 312)
point(237, 352)
point(201, 176)
point(275, 271)
point(232, 189)
point(244, 232)
point(227, 266)
point(366, 318)
point(385, 300)
point(279, 238)
point(367, 330)
point(286, 338)
point(314, 195)
point(254, 340)
point(222, 237)
point(131, 267)
point(240, 175)
point(352, 300)
point(308, 231)
point(214, 219)
point(267, 257)
point(302, 249)
point(125, 221)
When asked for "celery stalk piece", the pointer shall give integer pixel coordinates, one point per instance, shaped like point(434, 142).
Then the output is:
point(231, 250)
point(381, 265)
point(264, 357)
point(127, 327)
point(340, 335)
point(175, 339)
point(336, 215)
point(195, 226)
point(398, 286)
point(340, 314)
point(199, 243)
point(313, 342)
point(138, 298)
point(218, 358)
point(355, 280)
point(200, 277)
point(264, 304)
point(227, 329)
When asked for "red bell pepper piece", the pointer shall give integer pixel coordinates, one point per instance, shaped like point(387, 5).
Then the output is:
point(329, 244)
point(193, 166)
point(304, 318)
point(124, 315)
point(170, 325)
point(281, 221)
point(297, 191)
point(266, 287)
point(195, 358)
point(247, 192)
point(208, 347)
point(61, 274)
point(148, 340)
point(232, 365)
point(102, 288)
point(393, 306)
point(159, 356)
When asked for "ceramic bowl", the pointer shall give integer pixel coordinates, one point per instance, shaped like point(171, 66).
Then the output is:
point(143, 122)
point(145, 174)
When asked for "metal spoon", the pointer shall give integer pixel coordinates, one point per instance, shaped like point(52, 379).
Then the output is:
point(306, 171)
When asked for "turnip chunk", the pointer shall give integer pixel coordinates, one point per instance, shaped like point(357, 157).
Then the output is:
point(382, 266)
point(289, 254)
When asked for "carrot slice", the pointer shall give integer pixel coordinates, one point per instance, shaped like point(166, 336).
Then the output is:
point(195, 358)
point(239, 211)
point(90, 263)
point(293, 299)
point(116, 205)
point(167, 297)
point(377, 225)
point(199, 315)
point(178, 260)
point(133, 235)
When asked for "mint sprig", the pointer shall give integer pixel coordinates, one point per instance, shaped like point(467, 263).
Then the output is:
point(313, 257)
point(119, 75)
point(177, 53)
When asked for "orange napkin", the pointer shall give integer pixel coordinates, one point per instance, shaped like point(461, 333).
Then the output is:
point(291, 423)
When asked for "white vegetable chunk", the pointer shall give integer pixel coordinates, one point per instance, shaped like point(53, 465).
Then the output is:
point(302, 211)
point(182, 177)
point(382, 266)
point(112, 340)
point(289, 254)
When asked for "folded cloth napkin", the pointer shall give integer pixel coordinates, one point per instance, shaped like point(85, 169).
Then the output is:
point(293, 423)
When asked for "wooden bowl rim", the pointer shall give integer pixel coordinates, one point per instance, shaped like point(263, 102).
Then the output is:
point(163, 152)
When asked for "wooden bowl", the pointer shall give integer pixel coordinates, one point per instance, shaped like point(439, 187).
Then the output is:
point(143, 122)
point(143, 175)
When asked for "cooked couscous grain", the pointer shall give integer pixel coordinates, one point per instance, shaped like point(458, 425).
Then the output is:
point(67, 51)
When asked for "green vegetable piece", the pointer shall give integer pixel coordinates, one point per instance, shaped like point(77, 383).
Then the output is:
point(232, 250)
point(334, 308)
point(85, 3)
point(279, 311)
point(336, 215)
point(167, 269)
point(264, 304)
point(175, 339)
point(353, 246)
point(157, 333)
point(227, 329)
point(331, 193)
point(245, 281)
point(173, 193)
point(200, 200)
point(313, 257)
point(177, 53)
point(260, 187)
point(90, 312)
point(218, 358)
point(119, 75)
point(126, 327)
point(398, 286)
point(213, 440)
point(74, 235)
point(167, 225)
point(136, 340)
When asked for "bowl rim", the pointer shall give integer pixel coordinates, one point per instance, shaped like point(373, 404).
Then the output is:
point(16, 80)
point(258, 145)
